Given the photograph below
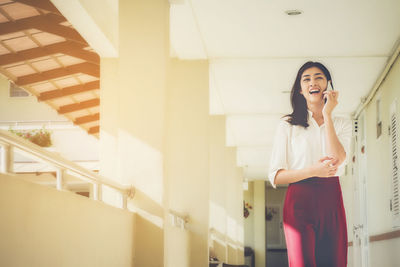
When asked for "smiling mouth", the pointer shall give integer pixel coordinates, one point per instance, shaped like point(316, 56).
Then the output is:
point(315, 91)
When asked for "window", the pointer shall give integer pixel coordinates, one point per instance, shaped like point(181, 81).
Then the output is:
point(16, 91)
point(394, 149)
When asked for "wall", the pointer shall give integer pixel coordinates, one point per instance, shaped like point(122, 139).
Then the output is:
point(187, 153)
point(132, 124)
point(133, 89)
point(276, 257)
point(155, 134)
point(276, 197)
point(379, 171)
point(148, 240)
point(226, 197)
point(259, 223)
point(347, 184)
point(96, 21)
point(41, 226)
point(248, 197)
point(24, 108)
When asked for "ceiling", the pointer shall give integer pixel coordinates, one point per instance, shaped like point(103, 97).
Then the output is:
point(253, 46)
point(41, 52)
point(255, 49)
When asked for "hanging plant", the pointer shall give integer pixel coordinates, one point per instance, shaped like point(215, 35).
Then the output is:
point(40, 137)
point(269, 213)
point(246, 208)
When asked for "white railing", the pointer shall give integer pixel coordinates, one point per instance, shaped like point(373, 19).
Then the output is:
point(9, 141)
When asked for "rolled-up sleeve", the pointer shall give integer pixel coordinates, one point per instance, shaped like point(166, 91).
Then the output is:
point(279, 154)
point(344, 133)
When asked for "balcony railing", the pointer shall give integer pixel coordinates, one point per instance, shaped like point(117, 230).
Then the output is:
point(9, 142)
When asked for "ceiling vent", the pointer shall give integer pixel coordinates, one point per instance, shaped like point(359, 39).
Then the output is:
point(16, 91)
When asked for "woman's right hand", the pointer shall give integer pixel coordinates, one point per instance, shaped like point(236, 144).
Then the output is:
point(325, 167)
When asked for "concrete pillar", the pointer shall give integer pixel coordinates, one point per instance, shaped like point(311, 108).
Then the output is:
point(218, 190)
point(132, 123)
point(226, 195)
point(7, 158)
point(187, 155)
point(259, 223)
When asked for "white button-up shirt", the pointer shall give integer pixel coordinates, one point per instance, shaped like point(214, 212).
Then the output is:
point(296, 147)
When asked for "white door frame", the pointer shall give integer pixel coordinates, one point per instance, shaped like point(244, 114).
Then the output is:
point(360, 226)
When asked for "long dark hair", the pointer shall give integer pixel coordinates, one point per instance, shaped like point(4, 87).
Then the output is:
point(299, 116)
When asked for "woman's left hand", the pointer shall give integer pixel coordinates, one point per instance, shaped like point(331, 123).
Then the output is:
point(331, 102)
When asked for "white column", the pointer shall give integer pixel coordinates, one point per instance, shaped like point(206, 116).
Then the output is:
point(97, 192)
point(7, 158)
point(259, 223)
point(125, 200)
point(60, 178)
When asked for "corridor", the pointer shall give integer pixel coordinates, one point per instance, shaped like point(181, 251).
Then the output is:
point(161, 117)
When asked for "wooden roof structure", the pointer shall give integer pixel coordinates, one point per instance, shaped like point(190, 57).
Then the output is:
point(41, 52)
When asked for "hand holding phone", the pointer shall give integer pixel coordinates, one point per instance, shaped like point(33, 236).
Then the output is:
point(329, 88)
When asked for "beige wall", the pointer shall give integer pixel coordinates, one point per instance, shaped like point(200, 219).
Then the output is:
point(96, 21)
point(259, 223)
point(248, 197)
point(133, 98)
point(385, 253)
point(226, 197)
point(24, 108)
point(41, 226)
point(379, 171)
point(255, 224)
point(132, 124)
point(347, 184)
point(155, 134)
point(148, 240)
point(378, 155)
point(105, 14)
point(186, 152)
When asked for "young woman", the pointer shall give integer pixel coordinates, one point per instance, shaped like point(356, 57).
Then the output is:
point(309, 154)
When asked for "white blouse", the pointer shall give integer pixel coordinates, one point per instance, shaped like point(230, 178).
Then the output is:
point(296, 147)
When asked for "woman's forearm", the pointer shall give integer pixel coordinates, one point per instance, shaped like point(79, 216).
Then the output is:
point(291, 176)
point(334, 148)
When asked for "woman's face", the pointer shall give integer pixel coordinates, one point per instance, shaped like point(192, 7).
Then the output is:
point(313, 82)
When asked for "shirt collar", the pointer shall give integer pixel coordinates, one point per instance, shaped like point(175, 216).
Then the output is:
point(311, 119)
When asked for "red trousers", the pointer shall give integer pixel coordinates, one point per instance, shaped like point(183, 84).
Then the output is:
point(315, 223)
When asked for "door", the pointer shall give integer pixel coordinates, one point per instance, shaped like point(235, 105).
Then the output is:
point(360, 230)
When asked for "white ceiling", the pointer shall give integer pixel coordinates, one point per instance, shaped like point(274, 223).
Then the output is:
point(255, 50)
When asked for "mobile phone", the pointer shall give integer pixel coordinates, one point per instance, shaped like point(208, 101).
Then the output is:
point(329, 88)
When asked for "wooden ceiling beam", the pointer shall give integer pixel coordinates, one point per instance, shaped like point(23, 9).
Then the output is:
point(42, 4)
point(47, 23)
point(86, 119)
point(60, 30)
point(83, 54)
point(68, 91)
point(86, 67)
point(79, 106)
point(67, 48)
point(94, 130)
point(28, 23)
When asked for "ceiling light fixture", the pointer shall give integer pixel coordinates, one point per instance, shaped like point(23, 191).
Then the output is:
point(293, 12)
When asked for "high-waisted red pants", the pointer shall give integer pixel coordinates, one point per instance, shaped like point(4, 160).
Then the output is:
point(315, 223)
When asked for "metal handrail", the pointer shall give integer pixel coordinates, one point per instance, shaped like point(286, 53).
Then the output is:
point(9, 140)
